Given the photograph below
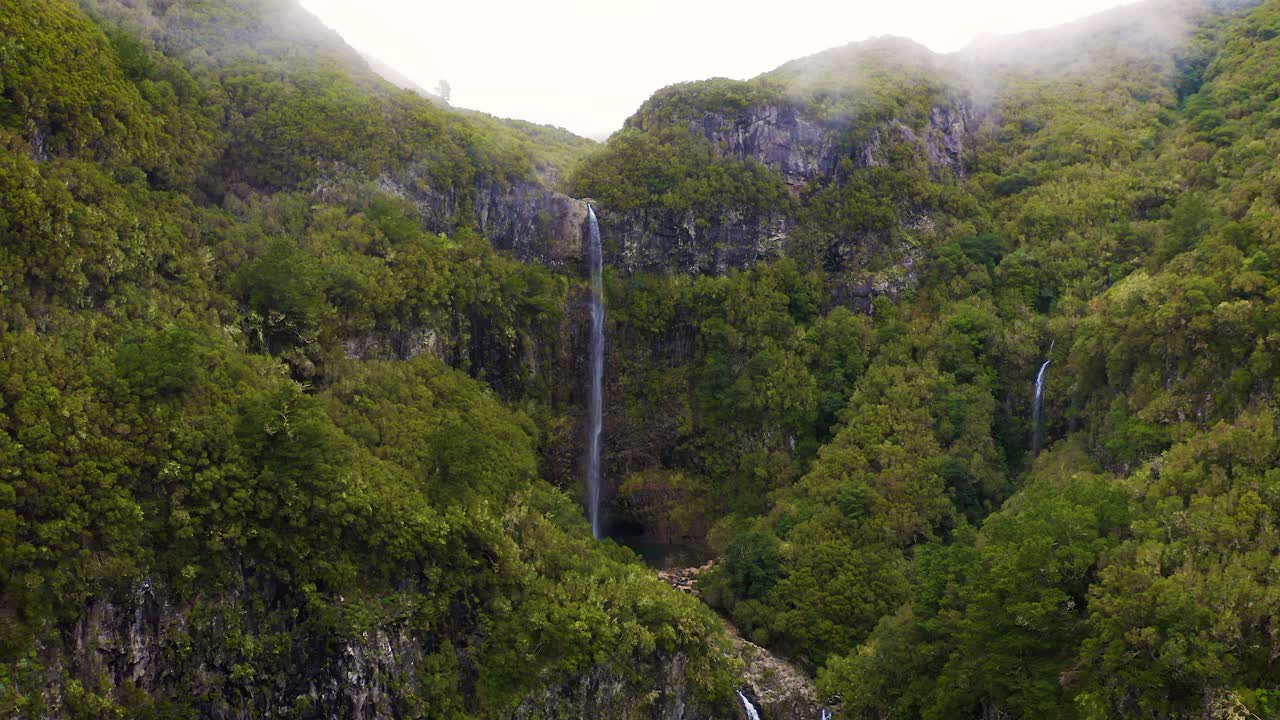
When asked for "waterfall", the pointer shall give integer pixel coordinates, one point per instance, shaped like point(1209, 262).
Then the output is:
point(595, 403)
point(746, 705)
point(1037, 404)
point(825, 714)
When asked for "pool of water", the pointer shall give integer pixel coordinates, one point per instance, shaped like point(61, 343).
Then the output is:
point(665, 556)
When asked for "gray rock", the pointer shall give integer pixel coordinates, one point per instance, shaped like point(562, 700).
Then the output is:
point(804, 151)
point(657, 241)
point(779, 136)
point(145, 640)
point(533, 222)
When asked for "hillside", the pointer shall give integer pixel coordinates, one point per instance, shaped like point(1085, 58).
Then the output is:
point(963, 369)
point(834, 288)
point(238, 477)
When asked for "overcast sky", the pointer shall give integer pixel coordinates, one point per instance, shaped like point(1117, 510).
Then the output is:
point(586, 66)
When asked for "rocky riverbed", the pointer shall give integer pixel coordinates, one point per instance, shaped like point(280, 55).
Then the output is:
point(779, 689)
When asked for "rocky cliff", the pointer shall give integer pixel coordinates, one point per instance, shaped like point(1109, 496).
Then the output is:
point(778, 688)
point(535, 223)
point(808, 154)
point(604, 692)
point(144, 642)
point(686, 242)
point(790, 138)
point(780, 135)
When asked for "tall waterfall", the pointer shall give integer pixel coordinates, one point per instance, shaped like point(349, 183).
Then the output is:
point(1038, 404)
point(595, 403)
point(746, 705)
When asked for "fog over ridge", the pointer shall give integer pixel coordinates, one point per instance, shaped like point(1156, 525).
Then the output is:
point(587, 67)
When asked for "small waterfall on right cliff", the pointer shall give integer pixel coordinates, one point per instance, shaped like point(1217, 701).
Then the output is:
point(1038, 404)
point(595, 357)
point(746, 705)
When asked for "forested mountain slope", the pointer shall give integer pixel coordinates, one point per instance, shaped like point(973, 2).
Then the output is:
point(835, 286)
point(210, 504)
point(291, 364)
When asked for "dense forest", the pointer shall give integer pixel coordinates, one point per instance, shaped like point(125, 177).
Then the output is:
point(213, 501)
point(851, 411)
point(292, 371)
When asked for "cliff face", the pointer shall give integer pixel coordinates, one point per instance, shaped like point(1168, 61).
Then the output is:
point(603, 692)
point(660, 241)
point(807, 154)
point(547, 227)
point(537, 224)
point(779, 689)
point(781, 136)
point(788, 139)
point(147, 642)
point(144, 641)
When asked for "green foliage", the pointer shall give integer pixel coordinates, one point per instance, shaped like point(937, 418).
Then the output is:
point(682, 103)
point(748, 401)
point(1192, 594)
point(752, 564)
point(1117, 196)
point(281, 291)
point(676, 172)
point(61, 74)
point(163, 364)
point(200, 419)
point(556, 152)
point(995, 615)
point(238, 374)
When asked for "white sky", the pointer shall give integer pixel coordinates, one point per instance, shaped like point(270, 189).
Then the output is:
point(587, 66)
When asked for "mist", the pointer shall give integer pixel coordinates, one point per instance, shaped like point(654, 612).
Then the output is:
point(587, 66)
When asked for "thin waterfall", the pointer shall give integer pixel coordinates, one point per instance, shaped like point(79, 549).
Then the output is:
point(1038, 404)
point(746, 705)
point(595, 403)
point(825, 714)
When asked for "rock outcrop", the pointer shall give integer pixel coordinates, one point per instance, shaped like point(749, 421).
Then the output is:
point(685, 579)
point(603, 692)
point(780, 136)
point(806, 153)
point(145, 641)
point(780, 690)
point(660, 242)
point(535, 223)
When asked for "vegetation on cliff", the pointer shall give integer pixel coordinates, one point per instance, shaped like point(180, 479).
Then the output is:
point(237, 476)
point(1112, 207)
point(281, 434)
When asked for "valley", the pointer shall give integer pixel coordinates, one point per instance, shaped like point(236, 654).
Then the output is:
point(885, 384)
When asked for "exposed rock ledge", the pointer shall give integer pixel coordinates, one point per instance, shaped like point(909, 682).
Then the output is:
point(780, 690)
